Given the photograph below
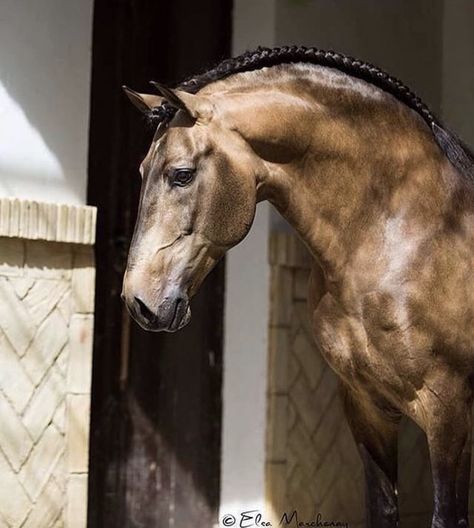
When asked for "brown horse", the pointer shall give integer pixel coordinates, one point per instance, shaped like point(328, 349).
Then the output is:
point(383, 197)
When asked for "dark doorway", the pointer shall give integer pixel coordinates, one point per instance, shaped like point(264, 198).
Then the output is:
point(156, 398)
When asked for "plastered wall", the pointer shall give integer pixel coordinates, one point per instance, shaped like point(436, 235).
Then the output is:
point(45, 64)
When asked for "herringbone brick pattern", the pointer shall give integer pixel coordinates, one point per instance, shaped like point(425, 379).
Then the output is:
point(312, 462)
point(39, 315)
point(327, 478)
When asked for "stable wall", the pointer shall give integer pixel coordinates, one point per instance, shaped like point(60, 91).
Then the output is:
point(45, 62)
point(429, 45)
point(245, 323)
point(47, 266)
point(46, 327)
point(312, 464)
point(457, 100)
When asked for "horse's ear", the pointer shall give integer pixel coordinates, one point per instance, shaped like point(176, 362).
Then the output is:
point(197, 106)
point(144, 102)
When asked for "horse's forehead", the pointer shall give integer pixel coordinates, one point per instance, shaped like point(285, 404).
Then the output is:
point(179, 140)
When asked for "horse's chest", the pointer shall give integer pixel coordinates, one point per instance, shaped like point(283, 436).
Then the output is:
point(366, 351)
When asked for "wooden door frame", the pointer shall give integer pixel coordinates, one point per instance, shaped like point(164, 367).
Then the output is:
point(143, 435)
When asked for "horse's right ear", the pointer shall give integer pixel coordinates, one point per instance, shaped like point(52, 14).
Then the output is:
point(144, 102)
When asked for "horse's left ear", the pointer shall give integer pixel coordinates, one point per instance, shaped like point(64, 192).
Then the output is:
point(197, 106)
point(144, 102)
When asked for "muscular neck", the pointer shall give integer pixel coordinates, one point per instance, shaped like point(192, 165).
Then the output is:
point(340, 157)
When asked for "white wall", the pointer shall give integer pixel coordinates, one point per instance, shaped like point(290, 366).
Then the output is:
point(245, 371)
point(45, 62)
point(246, 322)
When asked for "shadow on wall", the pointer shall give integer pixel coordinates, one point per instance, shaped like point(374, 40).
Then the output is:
point(45, 73)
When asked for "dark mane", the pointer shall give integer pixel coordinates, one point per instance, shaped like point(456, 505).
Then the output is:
point(456, 151)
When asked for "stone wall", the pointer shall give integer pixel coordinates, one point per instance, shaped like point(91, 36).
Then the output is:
point(312, 464)
point(46, 329)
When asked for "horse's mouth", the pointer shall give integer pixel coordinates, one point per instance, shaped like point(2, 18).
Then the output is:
point(181, 316)
point(172, 317)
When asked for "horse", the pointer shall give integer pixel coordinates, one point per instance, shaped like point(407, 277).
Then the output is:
point(382, 195)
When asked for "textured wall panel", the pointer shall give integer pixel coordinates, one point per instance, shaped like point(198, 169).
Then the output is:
point(46, 323)
point(311, 459)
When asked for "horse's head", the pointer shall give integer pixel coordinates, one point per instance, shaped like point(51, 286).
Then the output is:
point(197, 200)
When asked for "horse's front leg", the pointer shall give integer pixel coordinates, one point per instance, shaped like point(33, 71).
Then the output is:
point(445, 412)
point(463, 482)
point(375, 432)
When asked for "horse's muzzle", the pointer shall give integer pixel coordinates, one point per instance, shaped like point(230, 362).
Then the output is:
point(172, 314)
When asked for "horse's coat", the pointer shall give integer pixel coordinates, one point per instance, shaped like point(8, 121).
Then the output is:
point(387, 217)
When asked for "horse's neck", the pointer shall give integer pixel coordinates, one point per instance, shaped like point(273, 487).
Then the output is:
point(346, 168)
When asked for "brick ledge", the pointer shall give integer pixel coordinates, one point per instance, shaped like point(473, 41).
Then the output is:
point(47, 221)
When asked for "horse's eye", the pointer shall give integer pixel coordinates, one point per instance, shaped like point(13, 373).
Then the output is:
point(182, 177)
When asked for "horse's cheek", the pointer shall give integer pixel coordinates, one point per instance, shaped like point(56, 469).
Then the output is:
point(232, 209)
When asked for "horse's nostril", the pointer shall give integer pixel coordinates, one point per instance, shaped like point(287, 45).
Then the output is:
point(144, 310)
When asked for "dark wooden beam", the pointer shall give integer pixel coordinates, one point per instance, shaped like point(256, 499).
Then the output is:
point(156, 398)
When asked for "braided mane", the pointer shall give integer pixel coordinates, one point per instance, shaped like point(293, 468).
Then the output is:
point(457, 152)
